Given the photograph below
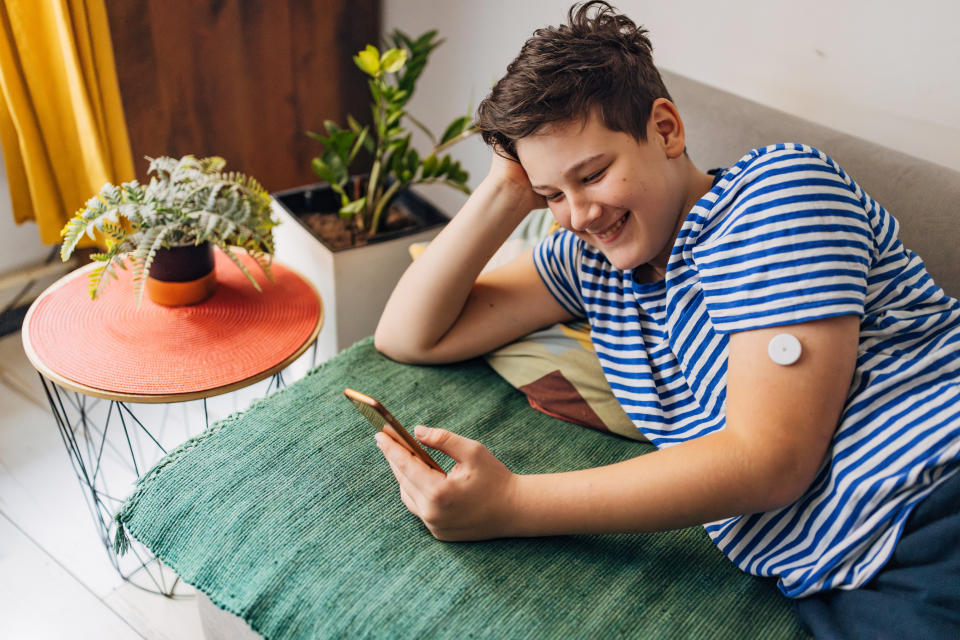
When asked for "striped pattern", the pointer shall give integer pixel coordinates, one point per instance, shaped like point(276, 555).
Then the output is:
point(785, 236)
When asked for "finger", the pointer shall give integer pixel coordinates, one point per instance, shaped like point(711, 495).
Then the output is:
point(406, 496)
point(409, 502)
point(456, 446)
point(407, 466)
point(408, 491)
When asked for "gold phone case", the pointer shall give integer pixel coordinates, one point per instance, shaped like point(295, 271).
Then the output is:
point(382, 420)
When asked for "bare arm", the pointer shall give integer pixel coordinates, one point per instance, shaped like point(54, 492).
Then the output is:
point(441, 311)
point(780, 421)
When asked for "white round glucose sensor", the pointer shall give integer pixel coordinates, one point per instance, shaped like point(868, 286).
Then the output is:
point(784, 349)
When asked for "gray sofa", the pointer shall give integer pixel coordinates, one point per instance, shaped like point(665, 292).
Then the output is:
point(721, 127)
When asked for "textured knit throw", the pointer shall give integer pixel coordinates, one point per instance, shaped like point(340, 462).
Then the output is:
point(288, 516)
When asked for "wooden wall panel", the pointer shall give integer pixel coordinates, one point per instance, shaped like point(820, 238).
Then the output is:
point(242, 79)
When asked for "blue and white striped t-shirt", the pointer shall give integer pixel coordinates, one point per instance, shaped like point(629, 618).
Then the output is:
point(784, 237)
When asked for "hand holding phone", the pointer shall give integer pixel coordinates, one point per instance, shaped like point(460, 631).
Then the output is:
point(383, 420)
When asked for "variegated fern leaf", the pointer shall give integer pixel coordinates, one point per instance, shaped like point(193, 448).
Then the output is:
point(188, 201)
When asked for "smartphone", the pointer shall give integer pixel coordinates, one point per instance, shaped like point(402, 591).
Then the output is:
point(382, 420)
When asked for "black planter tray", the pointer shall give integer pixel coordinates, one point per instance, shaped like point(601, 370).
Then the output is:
point(320, 197)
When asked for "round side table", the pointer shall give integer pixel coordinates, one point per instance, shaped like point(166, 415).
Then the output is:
point(98, 360)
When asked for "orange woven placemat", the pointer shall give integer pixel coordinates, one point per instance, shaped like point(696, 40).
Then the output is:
point(111, 345)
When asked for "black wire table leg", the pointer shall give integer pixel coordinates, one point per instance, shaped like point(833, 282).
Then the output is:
point(86, 438)
point(109, 447)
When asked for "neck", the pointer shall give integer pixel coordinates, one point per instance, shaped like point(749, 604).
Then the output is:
point(697, 184)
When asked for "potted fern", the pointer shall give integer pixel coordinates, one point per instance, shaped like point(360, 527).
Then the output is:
point(168, 228)
point(350, 234)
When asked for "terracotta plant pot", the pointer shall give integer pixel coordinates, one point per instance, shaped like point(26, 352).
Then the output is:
point(182, 275)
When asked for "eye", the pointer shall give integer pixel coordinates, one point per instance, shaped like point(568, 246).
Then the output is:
point(593, 177)
point(553, 197)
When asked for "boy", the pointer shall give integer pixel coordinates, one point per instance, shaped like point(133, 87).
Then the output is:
point(796, 367)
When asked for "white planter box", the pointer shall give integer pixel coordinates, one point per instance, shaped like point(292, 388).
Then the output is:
point(354, 283)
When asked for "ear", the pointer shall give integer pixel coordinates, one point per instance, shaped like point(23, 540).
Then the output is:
point(666, 126)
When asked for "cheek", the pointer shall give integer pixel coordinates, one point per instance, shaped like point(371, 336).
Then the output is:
point(623, 191)
point(560, 213)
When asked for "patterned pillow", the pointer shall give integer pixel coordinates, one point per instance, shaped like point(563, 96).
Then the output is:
point(558, 371)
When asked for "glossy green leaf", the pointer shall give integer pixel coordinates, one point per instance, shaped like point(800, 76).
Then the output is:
point(393, 60)
point(430, 166)
point(351, 209)
point(368, 60)
point(331, 127)
point(360, 142)
point(459, 186)
point(455, 128)
point(336, 163)
point(353, 124)
point(425, 40)
point(394, 118)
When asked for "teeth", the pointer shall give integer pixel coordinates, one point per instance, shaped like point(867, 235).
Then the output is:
point(612, 230)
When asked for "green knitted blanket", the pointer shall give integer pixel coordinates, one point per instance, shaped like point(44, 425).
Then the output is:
point(287, 516)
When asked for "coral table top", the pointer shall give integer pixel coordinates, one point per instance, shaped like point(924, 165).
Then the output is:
point(112, 349)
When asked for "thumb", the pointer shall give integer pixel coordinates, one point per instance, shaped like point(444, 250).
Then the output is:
point(455, 446)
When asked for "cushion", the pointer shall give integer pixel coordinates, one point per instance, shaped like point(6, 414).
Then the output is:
point(558, 370)
point(288, 516)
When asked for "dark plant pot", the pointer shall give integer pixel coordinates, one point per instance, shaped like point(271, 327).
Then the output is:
point(321, 198)
point(182, 275)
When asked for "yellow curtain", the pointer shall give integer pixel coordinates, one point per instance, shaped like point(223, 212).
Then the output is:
point(61, 119)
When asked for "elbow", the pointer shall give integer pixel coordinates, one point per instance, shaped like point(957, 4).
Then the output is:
point(388, 347)
point(771, 473)
point(783, 483)
point(780, 494)
point(396, 349)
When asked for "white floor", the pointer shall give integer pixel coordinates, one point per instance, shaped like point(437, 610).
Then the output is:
point(56, 579)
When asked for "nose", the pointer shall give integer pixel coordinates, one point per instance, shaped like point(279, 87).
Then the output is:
point(583, 213)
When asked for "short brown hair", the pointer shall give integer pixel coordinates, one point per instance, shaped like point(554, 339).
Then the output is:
point(602, 61)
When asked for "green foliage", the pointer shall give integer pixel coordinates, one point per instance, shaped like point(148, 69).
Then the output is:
point(188, 201)
point(396, 165)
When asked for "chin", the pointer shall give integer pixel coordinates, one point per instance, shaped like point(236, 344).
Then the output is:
point(621, 257)
point(622, 263)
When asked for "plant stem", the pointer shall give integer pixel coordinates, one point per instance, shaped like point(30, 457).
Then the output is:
point(383, 202)
point(452, 141)
point(371, 195)
point(380, 116)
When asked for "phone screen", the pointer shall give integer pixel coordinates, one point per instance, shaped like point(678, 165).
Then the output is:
point(382, 420)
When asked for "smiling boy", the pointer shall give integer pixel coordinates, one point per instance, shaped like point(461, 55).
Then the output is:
point(809, 470)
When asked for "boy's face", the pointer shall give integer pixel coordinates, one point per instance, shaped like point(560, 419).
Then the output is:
point(623, 196)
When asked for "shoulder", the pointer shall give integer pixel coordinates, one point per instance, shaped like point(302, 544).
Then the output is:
point(777, 185)
point(558, 260)
point(782, 165)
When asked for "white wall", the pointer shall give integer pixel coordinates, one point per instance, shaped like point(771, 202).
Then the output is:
point(20, 246)
point(883, 70)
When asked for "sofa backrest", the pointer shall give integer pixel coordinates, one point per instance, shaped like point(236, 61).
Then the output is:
point(924, 197)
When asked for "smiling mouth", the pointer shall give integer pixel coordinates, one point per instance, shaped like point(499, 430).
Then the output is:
point(612, 230)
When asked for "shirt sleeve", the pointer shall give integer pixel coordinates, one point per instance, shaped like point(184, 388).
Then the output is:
point(557, 258)
point(792, 243)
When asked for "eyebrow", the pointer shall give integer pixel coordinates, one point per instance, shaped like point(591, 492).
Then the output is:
point(574, 169)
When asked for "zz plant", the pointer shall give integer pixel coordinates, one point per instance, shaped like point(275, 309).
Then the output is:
point(188, 201)
point(396, 165)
